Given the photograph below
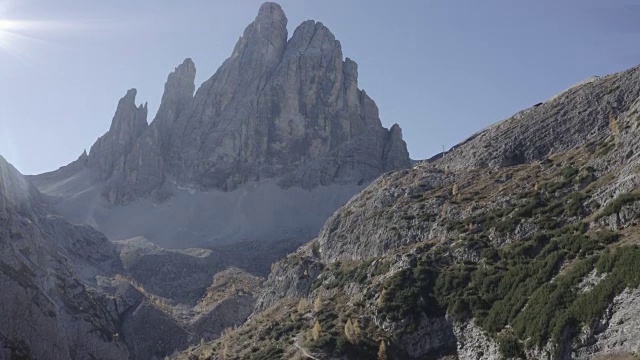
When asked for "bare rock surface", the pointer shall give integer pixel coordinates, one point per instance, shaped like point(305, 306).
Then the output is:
point(48, 310)
point(281, 126)
point(518, 243)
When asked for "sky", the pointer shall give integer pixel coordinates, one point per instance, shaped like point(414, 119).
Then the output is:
point(441, 69)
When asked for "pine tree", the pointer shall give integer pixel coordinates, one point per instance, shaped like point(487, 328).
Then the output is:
point(316, 331)
point(303, 306)
point(381, 297)
point(349, 331)
point(382, 351)
point(356, 329)
point(317, 304)
point(613, 124)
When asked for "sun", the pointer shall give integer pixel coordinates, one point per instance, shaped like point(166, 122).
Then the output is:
point(19, 38)
point(5, 26)
point(10, 34)
point(5, 34)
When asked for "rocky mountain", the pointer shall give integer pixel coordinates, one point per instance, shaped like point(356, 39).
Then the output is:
point(70, 293)
point(46, 264)
point(281, 126)
point(248, 168)
point(520, 242)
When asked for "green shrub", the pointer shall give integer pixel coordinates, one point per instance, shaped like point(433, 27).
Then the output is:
point(409, 292)
point(573, 205)
point(510, 347)
point(272, 352)
point(616, 205)
point(569, 172)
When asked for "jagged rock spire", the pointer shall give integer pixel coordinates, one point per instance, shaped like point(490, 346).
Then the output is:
point(289, 110)
point(178, 94)
point(129, 122)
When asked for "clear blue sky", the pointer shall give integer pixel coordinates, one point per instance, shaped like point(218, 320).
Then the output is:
point(441, 69)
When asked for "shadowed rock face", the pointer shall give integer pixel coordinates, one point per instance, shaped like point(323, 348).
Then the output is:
point(46, 264)
point(128, 123)
point(66, 293)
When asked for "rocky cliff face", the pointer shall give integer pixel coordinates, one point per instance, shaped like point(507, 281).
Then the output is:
point(480, 254)
point(129, 122)
point(281, 126)
point(47, 308)
point(579, 114)
point(67, 295)
point(277, 108)
point(141, 172)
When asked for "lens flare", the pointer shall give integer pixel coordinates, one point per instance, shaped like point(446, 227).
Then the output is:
point(17, 35)
point(21, 38)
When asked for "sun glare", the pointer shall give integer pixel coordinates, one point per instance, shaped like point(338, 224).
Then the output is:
point(18, 38)
point(23, 39)
point(5, 26)
point(10, 33)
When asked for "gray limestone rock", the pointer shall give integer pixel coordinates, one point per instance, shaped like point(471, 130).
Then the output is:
point(572, 118)
point(288, 110)
point(46, 265)
point(128, 123)
point(142, 170)
point(283, 113)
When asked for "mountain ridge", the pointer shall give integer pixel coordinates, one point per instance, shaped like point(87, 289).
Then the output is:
point(281, 125)
point(273, 120)
point(464, 258)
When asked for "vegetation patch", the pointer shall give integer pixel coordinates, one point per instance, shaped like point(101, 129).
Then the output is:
point(616, 205)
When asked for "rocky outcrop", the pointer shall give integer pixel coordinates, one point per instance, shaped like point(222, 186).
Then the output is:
point(619, 331)
point(473, 343)
point(281, 126)
point(47, 308)
point(570, 119)
point(288, 110)
point(178, 275)
point(142, 170)
point(290, 278)
point(519, 243)
point(129, 122)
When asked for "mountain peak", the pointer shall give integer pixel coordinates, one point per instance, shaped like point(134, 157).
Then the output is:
point(270, 11)
point(130, 96)
point(178, 91)
point(128, 123)
point(128, 116)
point(187, 68)
point(265, 39)
point(278, 108)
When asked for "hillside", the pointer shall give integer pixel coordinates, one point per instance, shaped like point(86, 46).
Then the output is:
point(70, 293)
point(521, 242)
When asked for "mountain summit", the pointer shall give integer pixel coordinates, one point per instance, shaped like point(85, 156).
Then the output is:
point(283, 114)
